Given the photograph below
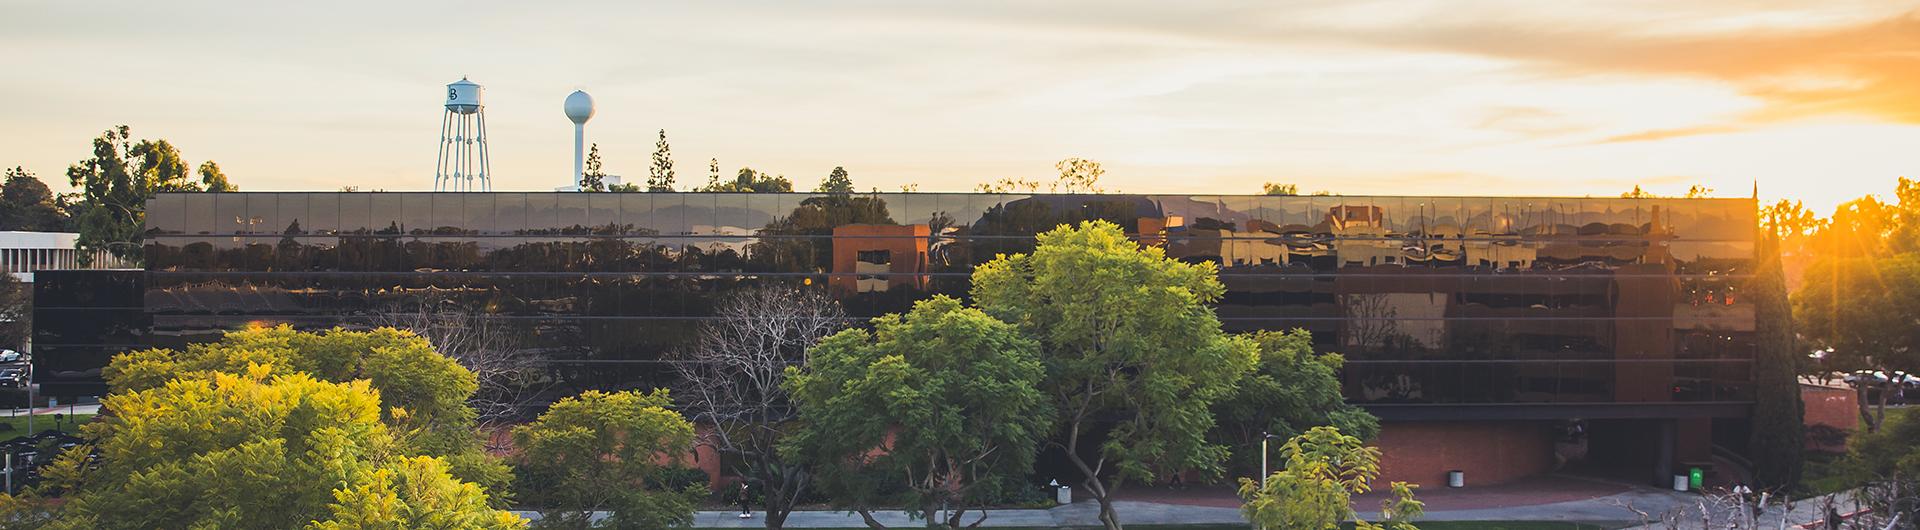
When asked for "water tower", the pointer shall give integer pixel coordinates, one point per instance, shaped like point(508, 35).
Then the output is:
point(463, 141)
point(579, 108)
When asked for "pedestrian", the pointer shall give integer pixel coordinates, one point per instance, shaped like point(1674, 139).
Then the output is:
point(746, 512)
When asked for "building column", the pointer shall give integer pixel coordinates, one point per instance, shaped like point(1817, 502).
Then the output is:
point(1663, 462)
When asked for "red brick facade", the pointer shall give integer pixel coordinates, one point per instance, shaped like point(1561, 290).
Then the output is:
point(1830, 406)
point(1489, 452)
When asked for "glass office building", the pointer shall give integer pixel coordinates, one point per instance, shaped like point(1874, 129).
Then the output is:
point(1447, 308)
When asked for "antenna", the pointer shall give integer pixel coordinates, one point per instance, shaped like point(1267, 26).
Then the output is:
point(463, 164)
point(579, 108)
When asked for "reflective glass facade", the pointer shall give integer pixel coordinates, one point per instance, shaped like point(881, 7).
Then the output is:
point(1434, 300)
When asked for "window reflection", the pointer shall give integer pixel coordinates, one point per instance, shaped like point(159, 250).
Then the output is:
point(1433, 300)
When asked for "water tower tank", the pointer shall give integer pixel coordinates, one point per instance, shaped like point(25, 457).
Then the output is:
point(463, 96)
point(579, 106)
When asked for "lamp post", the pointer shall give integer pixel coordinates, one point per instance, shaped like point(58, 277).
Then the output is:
point(1264, 436)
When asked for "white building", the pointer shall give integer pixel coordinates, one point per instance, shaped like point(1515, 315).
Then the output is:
point(22, 253)
point(608, 182)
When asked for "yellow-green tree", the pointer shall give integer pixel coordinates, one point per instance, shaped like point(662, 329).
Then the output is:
point(1324, 470)
point(602, 451)
point(1129, 344)
point(260, 449)
point(423, 395)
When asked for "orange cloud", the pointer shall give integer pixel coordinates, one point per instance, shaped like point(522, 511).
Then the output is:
point(1662, 134)
point(1870, 69)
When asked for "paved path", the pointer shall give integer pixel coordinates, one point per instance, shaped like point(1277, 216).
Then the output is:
point(62, 409)
point(1606, 508)
point(1553, 499)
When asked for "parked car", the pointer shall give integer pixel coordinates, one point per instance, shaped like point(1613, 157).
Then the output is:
point(13, 377)
point(10, 356)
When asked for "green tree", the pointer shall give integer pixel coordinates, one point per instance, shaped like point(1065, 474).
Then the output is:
point(259, 450)
point(1314, 491)
point(1886, 466)
point(603, 451)
point(115, 183)
point(1129, 343)
point(836, 183)
point(949, 394)
point(1280, 189)
point(1864, 308)
point(1858, 296)
point(749, 181)
point(26, 204)
point(1291, 390)
point(660, 175)
point(1778, 437)
point(214, 179)
point(424, 394)
point(593, 178)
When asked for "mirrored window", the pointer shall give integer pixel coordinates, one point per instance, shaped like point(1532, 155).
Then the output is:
point(355, 213)
point(293, 217)
point(166, 214)
point(323, 213)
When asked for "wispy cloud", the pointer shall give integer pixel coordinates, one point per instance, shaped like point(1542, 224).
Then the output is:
point(1867, 70)
point(1662, 134)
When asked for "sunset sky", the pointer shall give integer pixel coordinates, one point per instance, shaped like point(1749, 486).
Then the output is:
point(1814, 100)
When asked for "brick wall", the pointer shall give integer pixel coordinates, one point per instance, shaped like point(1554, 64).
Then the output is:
point(1489, 452)
point(1832, 407)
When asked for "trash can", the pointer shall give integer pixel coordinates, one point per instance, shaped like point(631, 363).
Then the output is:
point(1061, 494)
point(1696, 478)
point(1680, 482)
point(1456, 479)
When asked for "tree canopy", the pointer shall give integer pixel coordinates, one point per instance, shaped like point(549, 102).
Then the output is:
point(260, 449)
point(748, 181)
point(836, 183)
point(423, 394)
point(26, 204)
point(117, 180)
point(946, 395)
point(593, 178)
point(1127, 338)
point(607, 451)
point(1291, 390)
point(1859, 296)
point(660, 174)
point(1314, 490)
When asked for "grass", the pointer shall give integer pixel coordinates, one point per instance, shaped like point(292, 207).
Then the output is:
point(1822, 474)
point(41, 422)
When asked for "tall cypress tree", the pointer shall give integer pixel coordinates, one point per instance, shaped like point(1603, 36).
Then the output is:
point(1778, 439)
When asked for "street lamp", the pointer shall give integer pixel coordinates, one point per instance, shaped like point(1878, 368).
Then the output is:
point(1264, 436)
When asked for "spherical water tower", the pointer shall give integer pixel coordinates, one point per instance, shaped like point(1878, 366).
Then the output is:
point(463, 141)
point(579, 108)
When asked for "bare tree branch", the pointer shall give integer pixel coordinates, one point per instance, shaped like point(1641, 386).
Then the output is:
point(509, 375)
point(732, 377)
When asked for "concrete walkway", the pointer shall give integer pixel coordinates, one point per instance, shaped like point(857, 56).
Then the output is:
point(1085, 513)
point(1078, 514)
